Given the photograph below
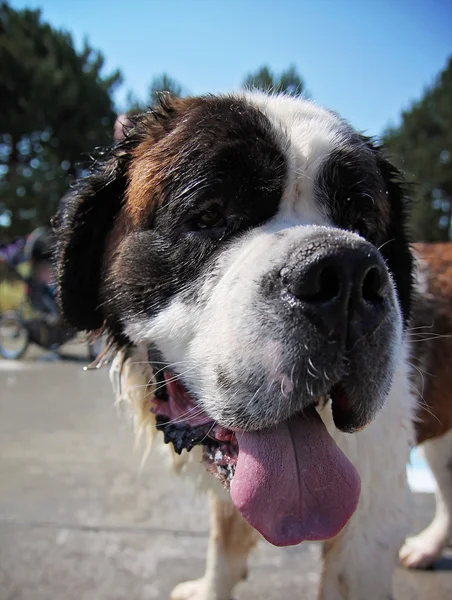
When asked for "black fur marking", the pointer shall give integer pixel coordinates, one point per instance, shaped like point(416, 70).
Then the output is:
point(82, 223)
point(396, 247)
point(232, 161)
point(358, 185)
point(85, 216)
point(349, 184)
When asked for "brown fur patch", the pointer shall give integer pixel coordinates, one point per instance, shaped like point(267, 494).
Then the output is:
point(231, 536)
point(165, 135)
point(432, 341)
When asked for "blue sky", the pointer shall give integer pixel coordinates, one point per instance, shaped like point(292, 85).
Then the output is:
point(367, 59)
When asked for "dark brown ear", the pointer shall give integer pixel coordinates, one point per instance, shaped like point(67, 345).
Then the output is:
point(85, 217)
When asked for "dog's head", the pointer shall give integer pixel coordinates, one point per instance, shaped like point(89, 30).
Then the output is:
point(255, 246)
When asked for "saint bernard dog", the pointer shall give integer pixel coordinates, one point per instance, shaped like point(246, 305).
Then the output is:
point(247, 256)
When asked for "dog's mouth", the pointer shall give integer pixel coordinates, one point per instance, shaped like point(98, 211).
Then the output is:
point(185, 425)
point(291, 482)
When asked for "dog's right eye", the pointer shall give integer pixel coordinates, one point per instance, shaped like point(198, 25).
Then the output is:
point(211, 218)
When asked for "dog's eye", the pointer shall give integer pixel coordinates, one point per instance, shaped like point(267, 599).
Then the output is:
point(210, 218)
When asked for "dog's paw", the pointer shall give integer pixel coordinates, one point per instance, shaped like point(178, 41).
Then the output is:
point(200, 589)
point(421, 551)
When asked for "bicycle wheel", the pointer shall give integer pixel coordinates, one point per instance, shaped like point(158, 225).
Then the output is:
point(14, 337)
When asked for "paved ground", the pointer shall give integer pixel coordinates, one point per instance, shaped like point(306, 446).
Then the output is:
point(79, 522)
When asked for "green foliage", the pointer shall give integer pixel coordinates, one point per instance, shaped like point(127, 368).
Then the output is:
point(422, 147)
point(56, 104)
point(289, 81)
point(160, 83)
point(164, 83)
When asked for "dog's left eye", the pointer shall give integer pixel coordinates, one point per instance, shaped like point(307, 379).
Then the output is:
point(210, 218)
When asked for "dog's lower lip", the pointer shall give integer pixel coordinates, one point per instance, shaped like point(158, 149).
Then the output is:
point(222, 434)
point(340, 398)
point(345, 415)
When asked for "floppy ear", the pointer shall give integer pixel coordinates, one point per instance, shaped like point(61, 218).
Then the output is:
point(88, 212)
point(81, 225)
point(396, 249)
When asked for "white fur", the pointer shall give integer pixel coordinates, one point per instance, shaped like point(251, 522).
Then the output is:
point(359, 563)
point(423, 549)
point(364, 555)
point(307, 133)
point(226, 330)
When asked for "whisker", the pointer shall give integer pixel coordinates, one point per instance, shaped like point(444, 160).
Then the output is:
point(208, 433)
point(184, 416)
point(419, 370)
point(168, 368)
point(420, 327)
point(169, 380)
point(316, 371)
point(435, 337)
point(384, 243)
point(158, 362)
point(420, 401)
point(419, 333)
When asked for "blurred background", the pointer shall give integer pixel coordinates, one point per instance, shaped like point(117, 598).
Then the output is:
point(73, 504)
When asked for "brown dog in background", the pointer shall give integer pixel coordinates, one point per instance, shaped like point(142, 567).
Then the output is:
point(430, 337)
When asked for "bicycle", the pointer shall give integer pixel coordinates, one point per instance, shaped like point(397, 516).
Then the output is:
point(37, 319)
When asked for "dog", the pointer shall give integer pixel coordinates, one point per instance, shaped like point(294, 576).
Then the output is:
point(430, 342)
point(248, 257)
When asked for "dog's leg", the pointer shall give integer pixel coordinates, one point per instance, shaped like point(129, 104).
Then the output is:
point(359, 563)
point(423, 549)
point(231, 540)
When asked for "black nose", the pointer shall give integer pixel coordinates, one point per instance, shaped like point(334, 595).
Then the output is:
point(341, 287)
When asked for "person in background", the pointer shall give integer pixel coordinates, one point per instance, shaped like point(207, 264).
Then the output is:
point(38, 250)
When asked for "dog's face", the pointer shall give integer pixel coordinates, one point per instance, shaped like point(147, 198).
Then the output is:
point(255, 246)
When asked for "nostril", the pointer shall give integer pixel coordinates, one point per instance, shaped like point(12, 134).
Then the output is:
point(327, 287)
point(373, 286)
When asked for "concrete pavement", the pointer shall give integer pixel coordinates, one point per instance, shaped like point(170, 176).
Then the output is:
point(79, 521)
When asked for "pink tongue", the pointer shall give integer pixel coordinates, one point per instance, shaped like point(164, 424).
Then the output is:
point(293, 483)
